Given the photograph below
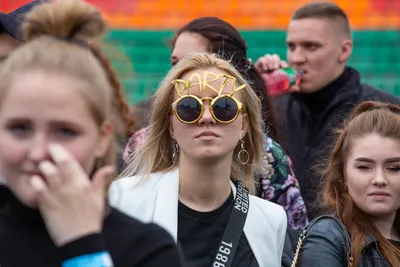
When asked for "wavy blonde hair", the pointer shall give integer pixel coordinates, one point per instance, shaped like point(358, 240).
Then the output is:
point(156, 153)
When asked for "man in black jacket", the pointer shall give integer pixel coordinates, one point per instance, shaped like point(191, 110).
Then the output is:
point(319, 43)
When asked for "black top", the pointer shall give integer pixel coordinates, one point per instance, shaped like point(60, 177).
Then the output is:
point(200, 233)
point(24, 241)
point(318, 101)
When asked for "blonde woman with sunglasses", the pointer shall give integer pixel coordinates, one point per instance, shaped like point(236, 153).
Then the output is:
point(195, 170)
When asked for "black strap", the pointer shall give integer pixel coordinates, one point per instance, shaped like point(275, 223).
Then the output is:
point(230, 240)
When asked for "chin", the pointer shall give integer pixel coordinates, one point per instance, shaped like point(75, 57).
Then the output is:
point(27, 198)
point(307, 88)
point(208, 157)
point(380, 211)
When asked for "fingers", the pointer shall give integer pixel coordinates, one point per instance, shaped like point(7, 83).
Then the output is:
point(40, 188)
point(100, 177)
point(269, 63)
point(284, 64)
point(68, 167)
point(294, 88)
point(51, 173)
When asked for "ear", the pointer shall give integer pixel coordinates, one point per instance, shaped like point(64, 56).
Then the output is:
point(346, 51)
point(104, 140)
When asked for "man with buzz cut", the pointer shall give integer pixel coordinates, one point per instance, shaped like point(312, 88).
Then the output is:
point(319, 43)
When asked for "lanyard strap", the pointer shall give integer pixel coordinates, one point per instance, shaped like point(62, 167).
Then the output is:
point(230, 240)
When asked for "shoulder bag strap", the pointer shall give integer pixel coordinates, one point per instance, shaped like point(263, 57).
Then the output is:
point(230, 239)
point(346, 237)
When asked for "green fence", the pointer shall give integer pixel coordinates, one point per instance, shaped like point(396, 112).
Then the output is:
point(146, 57)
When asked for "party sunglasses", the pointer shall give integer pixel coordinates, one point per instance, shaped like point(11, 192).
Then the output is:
point(223, 108)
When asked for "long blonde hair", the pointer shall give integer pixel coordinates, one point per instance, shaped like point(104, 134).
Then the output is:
point(156, 154)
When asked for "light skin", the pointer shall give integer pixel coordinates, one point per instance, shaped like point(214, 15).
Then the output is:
point(7, 45)
point(373, 179)
point(205, 162)
point(318, 47)
point(187, 43)
point(48, 144)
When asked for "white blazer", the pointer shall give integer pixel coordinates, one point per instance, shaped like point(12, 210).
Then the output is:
point(156, 200)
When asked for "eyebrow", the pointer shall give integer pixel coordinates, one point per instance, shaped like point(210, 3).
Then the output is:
point(304, 42)
point(389, 160)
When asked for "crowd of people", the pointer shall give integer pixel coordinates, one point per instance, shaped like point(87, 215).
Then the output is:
point(215, 171)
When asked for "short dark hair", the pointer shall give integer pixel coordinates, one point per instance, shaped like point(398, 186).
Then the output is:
point(324, 10)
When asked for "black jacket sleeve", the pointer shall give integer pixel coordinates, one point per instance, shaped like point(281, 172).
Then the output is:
point(324, 245)
point(291, 240)
point(156, 249)
point(92, 243)
point(153, 247)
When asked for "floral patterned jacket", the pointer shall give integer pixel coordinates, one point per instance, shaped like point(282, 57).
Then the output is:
point(279, 185)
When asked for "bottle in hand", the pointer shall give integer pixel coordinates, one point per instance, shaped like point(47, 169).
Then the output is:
point(280, 80)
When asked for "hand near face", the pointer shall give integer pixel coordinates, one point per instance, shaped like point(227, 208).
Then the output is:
point(269, 63)
point(71, 204)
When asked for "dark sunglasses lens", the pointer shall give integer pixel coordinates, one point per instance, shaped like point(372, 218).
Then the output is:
point(188, 109)
point(225, 109)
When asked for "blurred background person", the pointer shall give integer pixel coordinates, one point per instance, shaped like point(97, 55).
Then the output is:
point(10, 24)
point(57, 151)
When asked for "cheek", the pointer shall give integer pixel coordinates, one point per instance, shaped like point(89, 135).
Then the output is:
point(324, 60)
point(181, 131)
point(394, 185)
point(12, 152)
point(357, 184)
point(179, 128)
point(232, 132)
point(83, 152)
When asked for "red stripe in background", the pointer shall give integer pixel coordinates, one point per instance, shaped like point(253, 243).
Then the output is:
point(115, 6)
point(386, 5)
point(10, 5)
point(111, 6)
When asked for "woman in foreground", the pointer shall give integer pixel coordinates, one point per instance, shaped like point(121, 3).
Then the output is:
point(57, 152)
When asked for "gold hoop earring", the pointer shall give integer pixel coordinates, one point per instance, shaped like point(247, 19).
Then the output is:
point(175, 153)
point(243, 153)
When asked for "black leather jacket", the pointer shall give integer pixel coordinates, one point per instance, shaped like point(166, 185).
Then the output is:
point(290, 245)
point(324, 246)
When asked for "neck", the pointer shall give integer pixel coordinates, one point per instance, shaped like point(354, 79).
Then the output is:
point(204, 186)
point(318, 101)
point(384, 224)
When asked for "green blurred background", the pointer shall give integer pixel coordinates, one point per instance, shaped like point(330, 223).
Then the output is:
point(376, 55)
